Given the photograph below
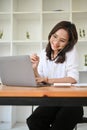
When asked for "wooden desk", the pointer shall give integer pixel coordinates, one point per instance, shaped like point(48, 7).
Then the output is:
point(48, 96)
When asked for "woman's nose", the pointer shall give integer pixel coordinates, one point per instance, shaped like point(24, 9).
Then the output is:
point(56, 42)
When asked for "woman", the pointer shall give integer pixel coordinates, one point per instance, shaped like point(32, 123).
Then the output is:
point(58, 63)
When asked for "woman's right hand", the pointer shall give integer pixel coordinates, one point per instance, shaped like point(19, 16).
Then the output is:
point(35, 60)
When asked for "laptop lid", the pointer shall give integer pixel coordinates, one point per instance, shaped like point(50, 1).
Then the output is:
point(83, 77)
point(17, 71)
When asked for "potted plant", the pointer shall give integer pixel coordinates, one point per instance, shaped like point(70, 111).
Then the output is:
point(1, 34)
point(85, 64)
point(27, 35)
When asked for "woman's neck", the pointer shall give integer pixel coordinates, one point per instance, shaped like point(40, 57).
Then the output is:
point(54, 55)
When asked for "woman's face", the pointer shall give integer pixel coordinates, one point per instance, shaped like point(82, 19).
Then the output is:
point(59, 40)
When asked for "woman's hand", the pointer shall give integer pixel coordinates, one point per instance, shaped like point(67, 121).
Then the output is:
point(41, 80)
point(34, 60)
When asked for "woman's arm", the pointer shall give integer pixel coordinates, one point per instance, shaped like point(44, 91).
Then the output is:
point(62, 80)
point(56, 80)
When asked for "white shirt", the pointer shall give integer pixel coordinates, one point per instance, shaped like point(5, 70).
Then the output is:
point(50, 69)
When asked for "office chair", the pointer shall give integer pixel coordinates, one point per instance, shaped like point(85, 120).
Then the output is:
point(84, 120)
point(82, 79)
point(32, 108)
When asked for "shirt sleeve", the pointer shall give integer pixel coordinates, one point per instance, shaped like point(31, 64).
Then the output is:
point(72, 64)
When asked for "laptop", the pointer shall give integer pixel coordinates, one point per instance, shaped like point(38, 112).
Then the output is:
point(82, 79)
point(17, 71)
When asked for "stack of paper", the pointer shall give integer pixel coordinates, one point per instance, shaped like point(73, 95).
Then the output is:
point(62, 84)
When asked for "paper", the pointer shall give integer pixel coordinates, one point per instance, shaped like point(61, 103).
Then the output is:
point(62, 84)
point(80, 84)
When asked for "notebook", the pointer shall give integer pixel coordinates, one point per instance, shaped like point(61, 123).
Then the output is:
point(17, 71)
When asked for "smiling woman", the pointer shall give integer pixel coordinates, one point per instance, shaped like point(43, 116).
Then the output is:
point(58, 41)
point(58, 63)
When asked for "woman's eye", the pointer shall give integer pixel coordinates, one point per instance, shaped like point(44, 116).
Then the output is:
point(62, 41)
point(54, 36)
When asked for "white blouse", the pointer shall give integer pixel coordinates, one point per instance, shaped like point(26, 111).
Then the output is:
point(69, 68)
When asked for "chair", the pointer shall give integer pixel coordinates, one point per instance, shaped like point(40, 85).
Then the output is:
point(82, 79)
point(84, 120)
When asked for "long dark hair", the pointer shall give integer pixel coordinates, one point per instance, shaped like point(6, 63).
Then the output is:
point(73, 38)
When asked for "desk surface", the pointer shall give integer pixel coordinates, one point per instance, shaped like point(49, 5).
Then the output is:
point(61, 96)
point(66, 91)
